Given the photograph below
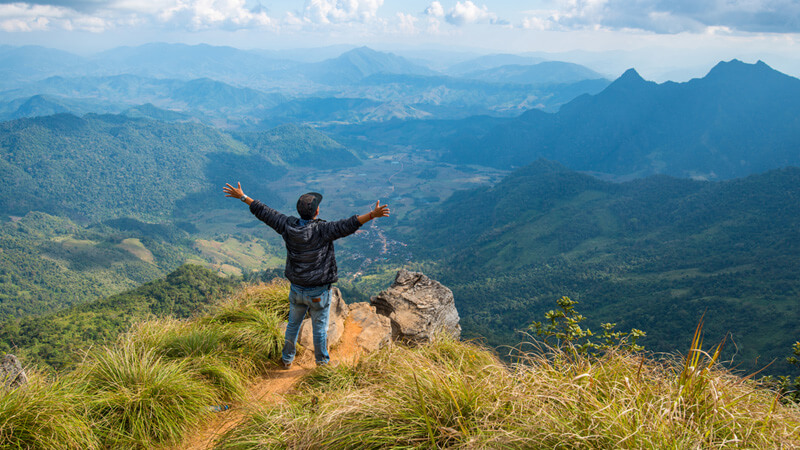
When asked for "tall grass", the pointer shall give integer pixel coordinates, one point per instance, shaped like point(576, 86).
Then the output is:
point(138, 399)
point(457, 395)
point(203, 348)
point(155, 383)
point(44, 414)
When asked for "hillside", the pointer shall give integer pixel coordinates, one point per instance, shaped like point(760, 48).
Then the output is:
point(737, 120)
point(299, 146)
point(653, 254)
point(100, 167)
point(445, 394)
point(353, 65)
point(49, 262)
point(58, 339)
point(205, 99)
point(491, 61)
point(187, 62)
point(547, 72)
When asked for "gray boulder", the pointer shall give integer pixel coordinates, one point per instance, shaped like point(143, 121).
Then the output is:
point(418, 308)
point(11, 373)
point(375, 329)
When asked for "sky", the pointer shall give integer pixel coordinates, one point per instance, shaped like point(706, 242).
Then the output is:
point(666, 39)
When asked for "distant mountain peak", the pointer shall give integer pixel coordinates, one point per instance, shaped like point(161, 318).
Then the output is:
point(736, 68)
point(628, 80)
point(363, 51)
point(361, 62)
point(631, 75)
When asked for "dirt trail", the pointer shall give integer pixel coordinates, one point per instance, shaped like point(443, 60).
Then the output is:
point(271, 389)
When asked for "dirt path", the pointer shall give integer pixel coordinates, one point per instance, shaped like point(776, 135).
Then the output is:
point(271, 389)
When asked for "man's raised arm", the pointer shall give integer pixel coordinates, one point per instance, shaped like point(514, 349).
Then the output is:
point(264, 213)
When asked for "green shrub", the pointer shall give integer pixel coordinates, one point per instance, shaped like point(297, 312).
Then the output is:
point(142, 400)
point(204, 348)
point(251, 334)
point(44, 414)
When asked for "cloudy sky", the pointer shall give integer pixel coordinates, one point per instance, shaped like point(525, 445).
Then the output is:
point(667, 33)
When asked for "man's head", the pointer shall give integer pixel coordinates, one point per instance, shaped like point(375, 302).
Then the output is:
point(307, 205)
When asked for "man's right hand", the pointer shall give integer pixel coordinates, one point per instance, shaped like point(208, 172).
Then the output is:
point(235, 192)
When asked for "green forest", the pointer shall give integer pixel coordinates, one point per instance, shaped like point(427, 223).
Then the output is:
point(654, 254)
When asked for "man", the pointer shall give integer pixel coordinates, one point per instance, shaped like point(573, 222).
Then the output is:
point(310, 262)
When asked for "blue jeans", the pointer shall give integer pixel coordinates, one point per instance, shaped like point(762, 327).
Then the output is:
point(316, 301)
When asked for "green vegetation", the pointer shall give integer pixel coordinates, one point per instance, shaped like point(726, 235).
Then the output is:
point(104, 166)
point(137, 399)
point(58, 339)
point(790, 385)
point(653, 254)
point(49, 262)
point(101, 167)
point(299, 146)
point(156, 382)
point(457, 395)
point(564, 325)
point(46, 414)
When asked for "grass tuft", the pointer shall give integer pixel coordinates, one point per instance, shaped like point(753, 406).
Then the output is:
point(44, 415)
point(139, 399)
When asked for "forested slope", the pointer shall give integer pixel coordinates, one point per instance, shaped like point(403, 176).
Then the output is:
point(653, 254)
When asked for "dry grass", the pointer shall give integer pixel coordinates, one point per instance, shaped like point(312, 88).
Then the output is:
point(457, 395)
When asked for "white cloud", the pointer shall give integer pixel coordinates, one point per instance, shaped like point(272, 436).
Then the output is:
point(87, 23)
point(670, 16)
point(23, 17)
point(341, 11)
point(468, 12)
point(204, 14)
point(536, 22)
point(407, 23)
point(435, 9)
point(188, 14)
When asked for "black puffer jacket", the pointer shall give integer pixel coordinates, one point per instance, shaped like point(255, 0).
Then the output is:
point(310, 260)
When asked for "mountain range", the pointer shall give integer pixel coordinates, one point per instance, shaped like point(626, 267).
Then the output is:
point(232, 88)
point(737, 120)
point(108, 143)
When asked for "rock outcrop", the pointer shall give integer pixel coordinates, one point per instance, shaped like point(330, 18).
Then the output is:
point(11, 373)
point(414, 310)
point(418, 308)
point(376, 330)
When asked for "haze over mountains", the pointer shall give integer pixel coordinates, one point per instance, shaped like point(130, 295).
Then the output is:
point(167, 75)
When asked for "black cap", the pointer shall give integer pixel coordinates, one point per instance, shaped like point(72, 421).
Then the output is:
point(307, 205)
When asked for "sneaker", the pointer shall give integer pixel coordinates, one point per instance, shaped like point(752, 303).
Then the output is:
point(286, 366)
